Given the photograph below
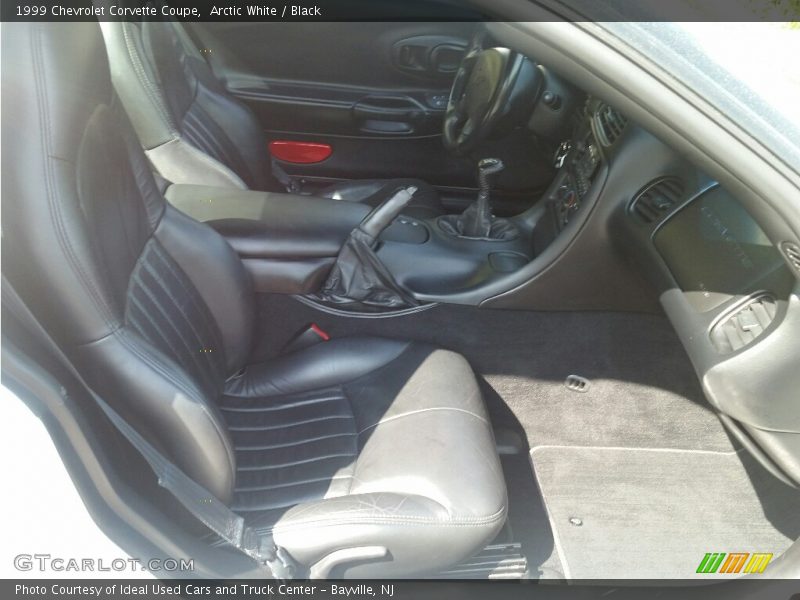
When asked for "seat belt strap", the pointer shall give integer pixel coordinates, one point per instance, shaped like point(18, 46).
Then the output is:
point(287, 181)
point(203, 505)
point(196, 499)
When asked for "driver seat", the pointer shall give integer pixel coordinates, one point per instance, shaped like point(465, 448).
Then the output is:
point(194, 131)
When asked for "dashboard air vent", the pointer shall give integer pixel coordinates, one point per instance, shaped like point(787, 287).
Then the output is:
point(745, 325)
point(792, 252)
point(610, 124)
point(657, 198)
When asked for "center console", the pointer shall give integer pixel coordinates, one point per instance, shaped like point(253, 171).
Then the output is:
point(288, 242)
point(293, 244)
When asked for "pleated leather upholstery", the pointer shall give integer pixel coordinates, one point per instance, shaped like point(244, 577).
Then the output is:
point(166, 309)
point(292, 448)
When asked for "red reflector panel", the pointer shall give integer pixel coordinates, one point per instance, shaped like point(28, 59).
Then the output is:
point(299, 152)
point(320, 332)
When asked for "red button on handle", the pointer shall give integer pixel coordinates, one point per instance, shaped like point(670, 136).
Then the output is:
point(303, 153)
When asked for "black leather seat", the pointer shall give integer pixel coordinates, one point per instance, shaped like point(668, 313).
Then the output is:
point(353, 442)
point(194, 131)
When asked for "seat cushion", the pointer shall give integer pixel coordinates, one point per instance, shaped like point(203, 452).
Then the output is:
point(367, 442)
point(425, 204)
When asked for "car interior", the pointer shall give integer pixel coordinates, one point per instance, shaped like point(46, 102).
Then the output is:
point(419, 306)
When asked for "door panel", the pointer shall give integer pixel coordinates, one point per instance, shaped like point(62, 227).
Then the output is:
point(353, 54)
point(325, 109)
point(375, 92)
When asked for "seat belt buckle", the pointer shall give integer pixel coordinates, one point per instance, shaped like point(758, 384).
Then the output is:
point(311, 335)
point(291, 184)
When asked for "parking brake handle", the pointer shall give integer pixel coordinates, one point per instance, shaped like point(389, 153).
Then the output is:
point(359, 277)
point(382, 216)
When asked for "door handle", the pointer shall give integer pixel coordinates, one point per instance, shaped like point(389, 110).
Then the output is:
point(435, 56)
point(396, 115)
point(446, 58)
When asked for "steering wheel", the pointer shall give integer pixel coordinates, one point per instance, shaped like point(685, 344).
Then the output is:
point(490, 84)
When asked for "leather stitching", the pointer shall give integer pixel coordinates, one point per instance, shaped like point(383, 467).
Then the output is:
point(295, 463)
point(251, 386)
point(338, 520)
point(423, 411)
point(327, 432)
point(263, 488)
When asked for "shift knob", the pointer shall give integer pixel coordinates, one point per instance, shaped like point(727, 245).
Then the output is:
point(477, 220)
point(488, 169)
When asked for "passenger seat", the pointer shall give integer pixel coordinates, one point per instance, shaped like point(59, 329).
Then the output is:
point(355, 442)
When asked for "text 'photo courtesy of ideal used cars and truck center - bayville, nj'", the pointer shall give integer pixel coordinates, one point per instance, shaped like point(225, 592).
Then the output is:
point(400, 299)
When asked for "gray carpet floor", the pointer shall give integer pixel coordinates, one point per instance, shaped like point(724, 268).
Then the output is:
point(644, 390)
point(611, 413)
point(653, 514)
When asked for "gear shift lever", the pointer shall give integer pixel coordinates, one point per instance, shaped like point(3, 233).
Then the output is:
point(477, 220)
point(480, 223)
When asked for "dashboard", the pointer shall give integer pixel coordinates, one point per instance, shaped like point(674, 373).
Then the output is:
point(716, 251)
point(729, 289)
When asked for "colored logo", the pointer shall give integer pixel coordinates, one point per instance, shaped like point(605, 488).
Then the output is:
point(734, 562)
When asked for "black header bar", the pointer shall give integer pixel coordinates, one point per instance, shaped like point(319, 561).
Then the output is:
point(400, 10)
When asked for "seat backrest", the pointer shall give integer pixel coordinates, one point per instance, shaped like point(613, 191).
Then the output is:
point(155, 309)
point(192, 129)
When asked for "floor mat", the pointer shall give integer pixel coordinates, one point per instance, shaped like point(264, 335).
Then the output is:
point(654, 513)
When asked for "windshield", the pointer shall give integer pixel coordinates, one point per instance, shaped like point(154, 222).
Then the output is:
point(749, 71)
